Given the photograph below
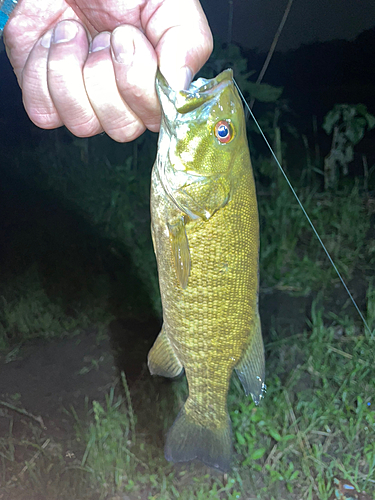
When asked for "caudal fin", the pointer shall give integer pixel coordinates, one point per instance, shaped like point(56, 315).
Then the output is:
point(187, 440)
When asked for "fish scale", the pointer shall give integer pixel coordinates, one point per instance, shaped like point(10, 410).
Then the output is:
point(206, 238)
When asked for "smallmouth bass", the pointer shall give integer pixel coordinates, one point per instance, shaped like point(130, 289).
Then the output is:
point(205, 231)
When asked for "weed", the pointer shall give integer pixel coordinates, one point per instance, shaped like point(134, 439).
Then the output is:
point(291, 258)
point(110, 438)
point(316, 425)
point(27, 312)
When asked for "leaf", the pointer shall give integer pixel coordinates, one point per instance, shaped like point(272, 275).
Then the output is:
point(348, 154)
point(240, 439)
point(370, 121)
point(294, 475)
point(276, 436)
point(257, 454)
point(361, 109)
point(263, 92)
point(355, 130)
point(331, 119)
point(348, 112)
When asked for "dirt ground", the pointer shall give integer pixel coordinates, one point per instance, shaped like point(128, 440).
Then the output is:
point(40, 383)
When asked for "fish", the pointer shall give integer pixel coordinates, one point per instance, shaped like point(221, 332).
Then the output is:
point(205, 232)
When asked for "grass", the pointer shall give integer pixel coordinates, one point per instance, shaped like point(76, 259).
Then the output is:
point(316, 424)
point(27, 312)
point(110, 438)
point(291, 257)
point(313, 426)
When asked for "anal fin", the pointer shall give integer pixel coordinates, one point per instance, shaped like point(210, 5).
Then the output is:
point(250, 368)
point(162, 360)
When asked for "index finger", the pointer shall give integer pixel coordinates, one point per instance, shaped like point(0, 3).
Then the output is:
point(179, 32)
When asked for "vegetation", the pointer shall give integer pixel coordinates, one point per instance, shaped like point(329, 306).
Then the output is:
point(348, 125)
point(315, 427)
point(316, 424)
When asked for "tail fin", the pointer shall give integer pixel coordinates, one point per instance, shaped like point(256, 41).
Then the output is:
point(187, 440)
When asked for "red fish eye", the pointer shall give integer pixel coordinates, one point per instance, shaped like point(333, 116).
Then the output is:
point(223, 131)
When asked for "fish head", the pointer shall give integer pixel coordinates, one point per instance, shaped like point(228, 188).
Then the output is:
point(203, 128)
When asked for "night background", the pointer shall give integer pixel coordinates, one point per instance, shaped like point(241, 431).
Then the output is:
point(79, 300)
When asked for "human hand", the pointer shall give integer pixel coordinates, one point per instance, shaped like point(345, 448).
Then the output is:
point(91, 64)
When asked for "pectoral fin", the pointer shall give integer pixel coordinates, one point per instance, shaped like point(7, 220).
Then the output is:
point(180, 250)
point(162, 359)
point(250, 369)
point(201, 199)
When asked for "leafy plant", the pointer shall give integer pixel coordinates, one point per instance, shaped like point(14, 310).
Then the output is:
point(229, 56)
point(348, 124)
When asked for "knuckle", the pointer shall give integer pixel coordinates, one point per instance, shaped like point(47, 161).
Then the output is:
point(127, 132)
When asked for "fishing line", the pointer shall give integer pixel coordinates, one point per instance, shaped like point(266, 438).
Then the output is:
point(303, 210)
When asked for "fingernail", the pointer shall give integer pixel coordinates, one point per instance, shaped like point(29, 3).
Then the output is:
point(179, 80)
point(122, 48)
point(64, 32)
point(186, 77)
point(100, 42)
point(46, 40)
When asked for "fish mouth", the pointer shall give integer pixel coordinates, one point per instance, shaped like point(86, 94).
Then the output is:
point(200, 91)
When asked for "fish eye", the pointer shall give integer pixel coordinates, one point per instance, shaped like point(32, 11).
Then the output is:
point(224, 132)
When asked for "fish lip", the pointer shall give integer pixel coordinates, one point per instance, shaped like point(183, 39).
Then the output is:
point(200, 91)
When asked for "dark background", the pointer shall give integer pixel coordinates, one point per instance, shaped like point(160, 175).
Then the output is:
point(325, 55)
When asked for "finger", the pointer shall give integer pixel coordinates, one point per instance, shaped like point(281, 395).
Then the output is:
point(30, 20)
point(36, 97)
point(116, 117)
point(179, 31)
point(135, 65)
point(67, 56)
point(99, 16)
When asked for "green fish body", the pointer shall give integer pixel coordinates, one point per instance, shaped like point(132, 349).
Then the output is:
point(205, 232)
